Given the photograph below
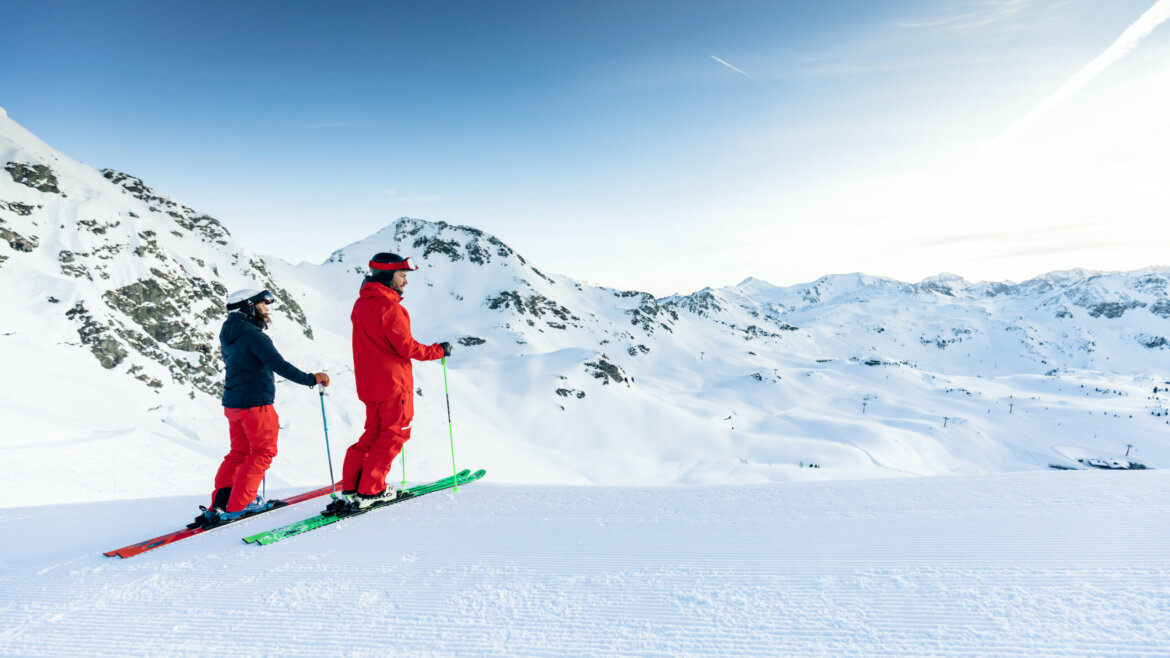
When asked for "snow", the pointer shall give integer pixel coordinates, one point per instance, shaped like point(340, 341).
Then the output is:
point(866, 376)
point(649, 487)
point(1039, 563)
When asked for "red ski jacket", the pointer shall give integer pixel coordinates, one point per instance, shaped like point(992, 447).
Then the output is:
point(383, 347)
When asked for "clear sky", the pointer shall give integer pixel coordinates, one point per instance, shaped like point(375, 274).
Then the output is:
point(661, 146)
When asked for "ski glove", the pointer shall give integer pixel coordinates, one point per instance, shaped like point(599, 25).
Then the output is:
point(446, 348)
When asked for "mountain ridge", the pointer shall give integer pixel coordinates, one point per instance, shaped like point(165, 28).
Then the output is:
point(120, 288)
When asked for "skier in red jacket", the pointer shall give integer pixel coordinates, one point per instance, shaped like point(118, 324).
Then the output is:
point(382, 350)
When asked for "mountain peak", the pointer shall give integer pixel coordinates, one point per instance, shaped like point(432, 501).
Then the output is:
point(425, 241)
point(945, 278)
point(753, 286)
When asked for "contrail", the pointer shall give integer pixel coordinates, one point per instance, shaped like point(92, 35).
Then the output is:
point(738, 70)
point(1128, 40)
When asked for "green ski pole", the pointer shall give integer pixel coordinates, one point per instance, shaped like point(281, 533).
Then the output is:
point(450, 432)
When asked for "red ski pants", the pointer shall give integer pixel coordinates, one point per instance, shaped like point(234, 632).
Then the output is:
point(253, 433)
point(367, 462)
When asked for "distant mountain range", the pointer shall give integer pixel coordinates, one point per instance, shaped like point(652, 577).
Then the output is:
point(114, 287)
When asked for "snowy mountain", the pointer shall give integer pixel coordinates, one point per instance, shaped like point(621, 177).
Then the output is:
point(113, 295)
point(1062, 320)
point(138, 277)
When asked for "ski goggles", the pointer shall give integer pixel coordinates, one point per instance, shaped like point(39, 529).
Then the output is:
point(263, 297)
point(407, 264)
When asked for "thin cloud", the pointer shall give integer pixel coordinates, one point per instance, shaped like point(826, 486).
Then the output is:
point(1048, 232)
point(984, 14)
point(733, 68)
point(1066, 237)
point(948, 21)
point(1130, 39)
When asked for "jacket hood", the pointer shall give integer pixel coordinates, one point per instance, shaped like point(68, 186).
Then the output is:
point(236, 325)
point(377, 289)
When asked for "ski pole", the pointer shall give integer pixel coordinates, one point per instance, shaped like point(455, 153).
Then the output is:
point(328, 452)
point(404, 466)
point(450, 432)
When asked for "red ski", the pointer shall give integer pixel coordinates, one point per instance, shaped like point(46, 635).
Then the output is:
point(172, 537)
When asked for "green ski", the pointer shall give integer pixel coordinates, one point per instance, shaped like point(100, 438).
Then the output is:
point(312, 523)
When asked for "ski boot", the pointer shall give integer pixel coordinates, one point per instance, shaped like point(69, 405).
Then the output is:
point(205, 519)
point(387, 495)
point(343, 501)
point(254, 507)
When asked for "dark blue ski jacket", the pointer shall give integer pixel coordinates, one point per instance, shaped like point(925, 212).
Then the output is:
point(250, 359)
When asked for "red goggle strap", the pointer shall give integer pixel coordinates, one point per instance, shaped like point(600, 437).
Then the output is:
point(407, 264)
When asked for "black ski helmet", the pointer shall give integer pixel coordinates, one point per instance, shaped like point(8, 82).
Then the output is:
point(385, 264)
point(245, 300)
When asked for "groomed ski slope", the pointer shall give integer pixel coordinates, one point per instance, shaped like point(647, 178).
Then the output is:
point(1039, 563)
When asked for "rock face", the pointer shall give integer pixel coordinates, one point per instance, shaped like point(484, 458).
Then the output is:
point(604, 370)
point(144, 277)
point(37, 176)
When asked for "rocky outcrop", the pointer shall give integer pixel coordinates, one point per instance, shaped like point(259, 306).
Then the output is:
point(1152, 342)
point(162, 305)
point(18, 241)
point(18, 209)
point(39, 177)
point(535, 304)
point(1113, 310)
point(702, 303)
point(605, 370)
point(649, 314)
point(108, 351)
point(206, 227)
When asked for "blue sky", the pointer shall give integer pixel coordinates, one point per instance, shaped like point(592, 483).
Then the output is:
point(607, 141)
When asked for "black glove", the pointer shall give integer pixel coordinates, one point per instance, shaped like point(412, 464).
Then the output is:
point(446, 348)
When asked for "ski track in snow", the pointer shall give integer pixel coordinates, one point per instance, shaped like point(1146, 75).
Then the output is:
point(1074, 563)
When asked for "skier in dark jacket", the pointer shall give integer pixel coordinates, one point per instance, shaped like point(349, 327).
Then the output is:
point(249, 390)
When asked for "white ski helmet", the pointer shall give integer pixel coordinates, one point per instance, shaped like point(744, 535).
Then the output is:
point(244, 300)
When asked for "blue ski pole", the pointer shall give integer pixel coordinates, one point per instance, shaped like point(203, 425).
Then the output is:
point(328, 452)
